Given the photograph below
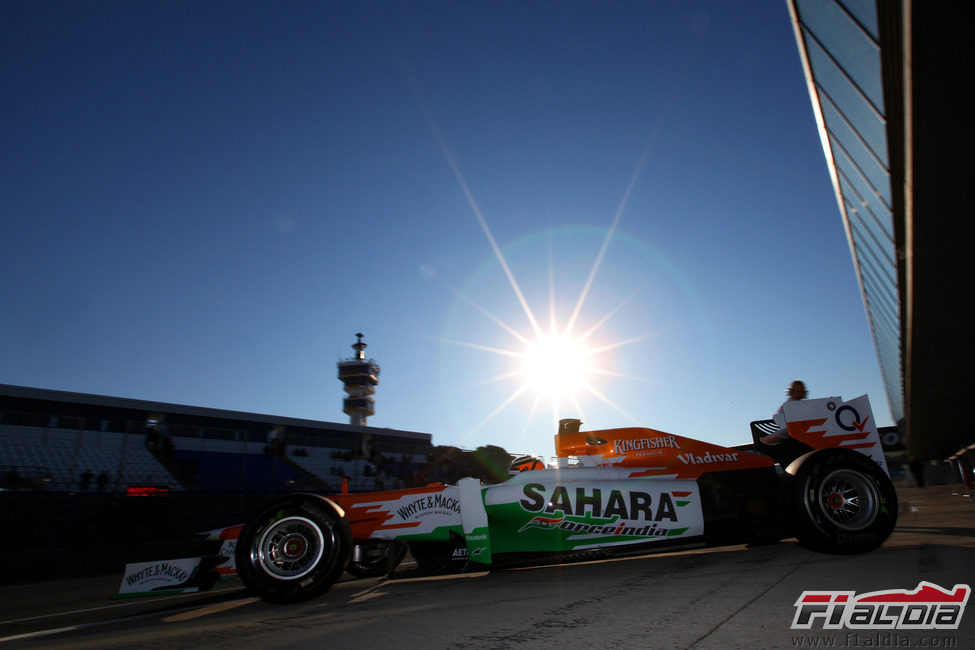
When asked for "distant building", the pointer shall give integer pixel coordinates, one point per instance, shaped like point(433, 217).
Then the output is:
point(55, 440)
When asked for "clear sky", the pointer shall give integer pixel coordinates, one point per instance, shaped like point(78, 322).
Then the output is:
point(203, 202)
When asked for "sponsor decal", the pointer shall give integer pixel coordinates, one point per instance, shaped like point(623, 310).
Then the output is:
point(613, 529)
point(228, 550)
point(621, 447)
point(708, 457)
point(542, 522)
point(142, 577)
point(851, 422)
point(596, 511)
point(428, 505)
point(631, 504)
point(429, 511)
point(927, 607)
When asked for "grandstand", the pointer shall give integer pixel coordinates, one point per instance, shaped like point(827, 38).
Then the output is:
point(66, 460)
point(73, 442)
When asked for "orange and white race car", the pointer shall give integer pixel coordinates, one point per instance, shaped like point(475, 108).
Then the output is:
point(614, 491)
point(608, 492)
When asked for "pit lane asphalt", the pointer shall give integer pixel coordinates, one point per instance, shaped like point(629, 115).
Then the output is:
point(707, 598)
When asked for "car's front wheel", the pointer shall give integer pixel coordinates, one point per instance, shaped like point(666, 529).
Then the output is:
point(294, 550)
point(846, 502)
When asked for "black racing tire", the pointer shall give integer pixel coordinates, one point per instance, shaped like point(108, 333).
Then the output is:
point(375, 559)
point(845, 503)
point(294, 550)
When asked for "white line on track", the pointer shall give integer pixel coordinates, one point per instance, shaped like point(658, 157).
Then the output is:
point(210, 609)
point(70, 628)
point(120, 605)
point(191, 611)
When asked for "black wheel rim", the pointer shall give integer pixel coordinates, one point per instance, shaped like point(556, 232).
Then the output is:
point(848, 499)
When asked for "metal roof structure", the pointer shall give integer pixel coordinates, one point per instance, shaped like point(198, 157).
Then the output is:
point(887, 83)
point(45, 400)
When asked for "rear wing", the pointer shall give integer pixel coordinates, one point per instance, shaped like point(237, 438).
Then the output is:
point(828, 422)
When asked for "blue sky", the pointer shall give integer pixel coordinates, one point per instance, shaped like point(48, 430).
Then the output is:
point(202, 203)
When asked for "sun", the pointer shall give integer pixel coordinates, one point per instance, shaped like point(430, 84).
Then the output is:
point(556, 366)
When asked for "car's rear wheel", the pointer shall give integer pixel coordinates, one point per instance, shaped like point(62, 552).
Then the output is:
point(294, 550)
point(846, 503)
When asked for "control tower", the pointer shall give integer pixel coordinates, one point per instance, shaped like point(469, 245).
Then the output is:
point(359, 376)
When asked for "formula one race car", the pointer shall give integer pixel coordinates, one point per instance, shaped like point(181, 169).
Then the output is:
point(608, 492)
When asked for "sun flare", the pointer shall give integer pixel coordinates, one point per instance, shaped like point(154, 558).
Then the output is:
point(556, 366)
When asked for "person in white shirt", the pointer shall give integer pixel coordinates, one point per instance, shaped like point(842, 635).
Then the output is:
point(796, 391)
